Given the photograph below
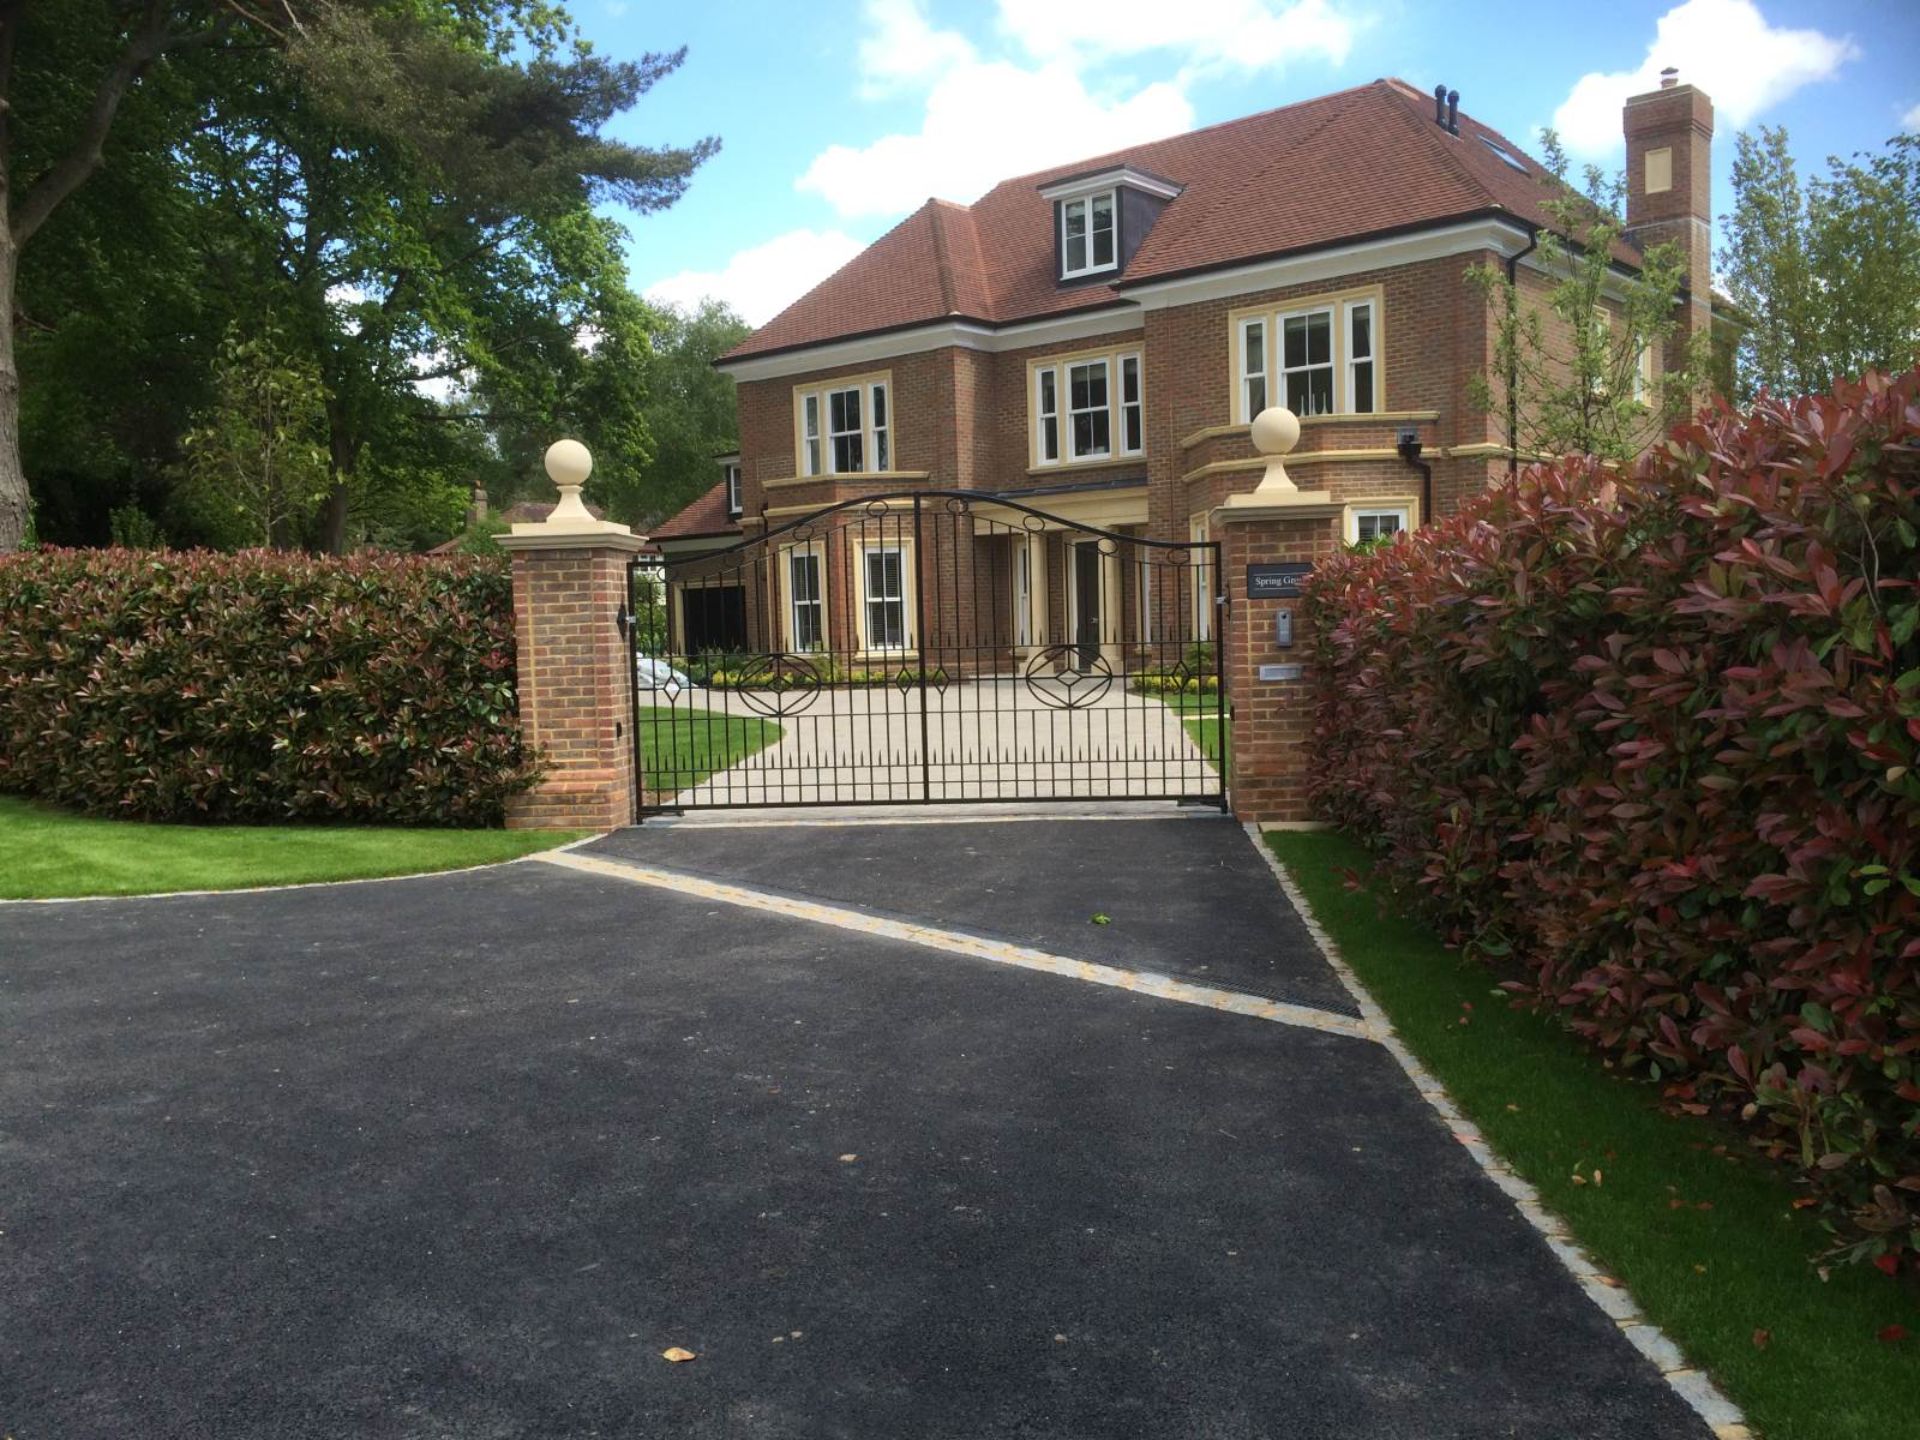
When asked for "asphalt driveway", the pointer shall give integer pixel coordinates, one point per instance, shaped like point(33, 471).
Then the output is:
point(461, 1156)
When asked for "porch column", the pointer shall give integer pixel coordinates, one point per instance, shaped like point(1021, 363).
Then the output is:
point(1270, 540)
point(575, 665)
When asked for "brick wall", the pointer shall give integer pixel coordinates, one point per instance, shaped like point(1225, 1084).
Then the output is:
point(575, 693)
point(1271, 718)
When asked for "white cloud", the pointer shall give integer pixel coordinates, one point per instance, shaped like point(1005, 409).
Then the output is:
point(984, 119)
point(1206, 34)
point(903, 48)
point(1911, 120)
point(1727, 48)
point(763, 280)
point(989, 116)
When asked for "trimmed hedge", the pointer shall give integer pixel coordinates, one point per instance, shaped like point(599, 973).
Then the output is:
point(260, 686)
point(1653, 742)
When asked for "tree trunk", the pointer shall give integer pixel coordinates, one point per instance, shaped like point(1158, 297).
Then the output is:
point(13, 477)
point(343, 453)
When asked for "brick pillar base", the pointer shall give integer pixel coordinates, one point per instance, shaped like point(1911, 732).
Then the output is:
point(576, 681)
point(1267, 779)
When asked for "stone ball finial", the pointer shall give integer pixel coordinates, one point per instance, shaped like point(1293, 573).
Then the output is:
point(1276, 430)
point(568, 462)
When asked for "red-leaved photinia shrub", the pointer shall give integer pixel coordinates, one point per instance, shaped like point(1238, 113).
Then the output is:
point(1655, 739)
point(258, 686)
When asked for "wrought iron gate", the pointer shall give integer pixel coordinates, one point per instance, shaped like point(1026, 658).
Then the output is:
point(933, 646)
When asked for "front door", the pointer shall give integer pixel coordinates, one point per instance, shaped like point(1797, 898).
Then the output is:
point(1086, 603)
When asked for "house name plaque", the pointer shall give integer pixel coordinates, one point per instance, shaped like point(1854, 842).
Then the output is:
point(1277, 581)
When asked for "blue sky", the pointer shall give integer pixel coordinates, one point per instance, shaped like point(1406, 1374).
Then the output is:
point(838, 117)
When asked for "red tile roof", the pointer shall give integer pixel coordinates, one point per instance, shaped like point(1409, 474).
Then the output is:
point(705, 516)
point(1359, 162)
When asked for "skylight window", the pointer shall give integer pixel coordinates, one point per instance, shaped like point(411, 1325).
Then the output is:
point(1507, 156)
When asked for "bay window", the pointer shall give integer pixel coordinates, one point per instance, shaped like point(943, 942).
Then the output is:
point(1088, 408)
point(845, 427)
point(1320, 356)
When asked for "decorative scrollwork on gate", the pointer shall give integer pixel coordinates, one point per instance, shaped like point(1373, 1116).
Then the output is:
point(776, 685)
point(1064, 677)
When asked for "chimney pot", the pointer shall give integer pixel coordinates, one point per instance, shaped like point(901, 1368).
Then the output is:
point(1440, 105)
point(1669, 78)
point(1453, 112)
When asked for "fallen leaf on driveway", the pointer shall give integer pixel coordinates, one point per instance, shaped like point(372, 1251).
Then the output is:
point(676, 1355)
point(848, 1159)
point(1099, 919)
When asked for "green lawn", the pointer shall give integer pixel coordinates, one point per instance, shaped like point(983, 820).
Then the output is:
point(695, 744)
point(1204, 723)
point(1704, 1235)
point(48, 854)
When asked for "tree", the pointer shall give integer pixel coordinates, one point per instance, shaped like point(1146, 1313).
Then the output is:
point(1827, 277)
point(689, 409)
point(1575, 376)
point(371, 159)
point(257, 459)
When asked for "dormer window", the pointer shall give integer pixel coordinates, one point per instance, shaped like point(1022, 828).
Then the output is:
point(1101, 217)
point(1088, 243)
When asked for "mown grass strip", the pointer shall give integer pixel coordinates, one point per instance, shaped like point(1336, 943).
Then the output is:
point(1703, 1233)
point(48, 854)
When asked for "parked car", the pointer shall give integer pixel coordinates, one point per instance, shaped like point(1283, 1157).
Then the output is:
point(651, 674)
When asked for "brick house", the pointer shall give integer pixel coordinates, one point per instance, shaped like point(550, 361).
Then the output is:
point(1096, 338)
point(1066, 372)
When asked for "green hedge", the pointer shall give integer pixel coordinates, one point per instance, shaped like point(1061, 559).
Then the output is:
point(1653, 739)
point(259, 686)
point(1173, 682)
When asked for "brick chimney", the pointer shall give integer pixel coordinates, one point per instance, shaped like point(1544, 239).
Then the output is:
point(1669, 190)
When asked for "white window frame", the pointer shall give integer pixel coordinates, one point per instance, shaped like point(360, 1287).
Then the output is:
point(818, 602)
point(1046, 409)
point(1352, 362)
point(1401, 510)
point(1084, 204)
point(814, 434)
point(879, 418)
point(1130, 369)
point(1105, 408)
point(854, 437)
point(1057, 371)
point(1331, 365)
point(1269, 322)
point(736, 506)
point(810, 446)
point(1253, 325)
point(1643, 375)
point(904, 552)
